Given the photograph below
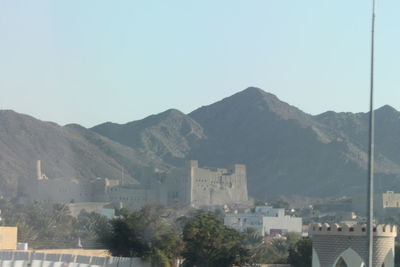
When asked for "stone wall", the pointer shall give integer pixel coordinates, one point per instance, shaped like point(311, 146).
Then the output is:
point(391, 200)
point(187, 186)
point(132, 196)
point(67, 190)
point(58, 191)
point(176, 188)
point(219, 186)
point(331, 241)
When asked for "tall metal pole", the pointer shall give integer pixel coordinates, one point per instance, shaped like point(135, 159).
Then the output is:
point(370, 200)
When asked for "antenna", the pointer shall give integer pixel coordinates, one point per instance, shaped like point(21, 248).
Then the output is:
point(370, 199)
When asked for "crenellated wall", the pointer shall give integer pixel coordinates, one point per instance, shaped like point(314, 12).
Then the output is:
point(351, 230)
point(217, 186)
point(349, 242)
point(187, 186)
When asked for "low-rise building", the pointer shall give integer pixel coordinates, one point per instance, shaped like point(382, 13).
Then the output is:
point(8, 238)
point(265, 220)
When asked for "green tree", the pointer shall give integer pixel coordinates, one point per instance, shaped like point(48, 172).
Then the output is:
point(87, 226)
point(281, 245)
point(292, 238)
point(253, 237)
point(142, 234)
point(301, 254)
point(209, 243)
point(267, 254)
point(51, 228)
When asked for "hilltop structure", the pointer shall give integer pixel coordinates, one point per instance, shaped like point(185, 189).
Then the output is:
point(188, 186)
point(390, 199)
point(197, 187)
point(341, 245)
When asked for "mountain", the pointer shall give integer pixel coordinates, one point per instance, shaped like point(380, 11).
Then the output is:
point(290, 152)
point(168, 137)
point(287, 151)
point(66, 152)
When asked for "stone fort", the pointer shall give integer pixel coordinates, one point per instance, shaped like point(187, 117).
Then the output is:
point(345, 245)
point(391, 199)
point(189, 186)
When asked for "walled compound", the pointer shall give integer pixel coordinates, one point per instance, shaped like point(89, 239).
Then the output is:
point(190, 185)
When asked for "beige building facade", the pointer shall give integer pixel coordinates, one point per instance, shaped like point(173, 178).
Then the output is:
point(190, 185)
point(8, 238)
point(198, 187)
point(390, 199)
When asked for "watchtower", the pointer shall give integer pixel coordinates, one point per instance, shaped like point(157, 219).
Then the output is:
point(345, 245)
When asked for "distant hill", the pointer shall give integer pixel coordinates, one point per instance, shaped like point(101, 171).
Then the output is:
point(290, 152)
point(169, 136)
point(66, 152)
point(287, 151)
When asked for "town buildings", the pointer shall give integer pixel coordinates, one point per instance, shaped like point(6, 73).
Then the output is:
point(265, 220)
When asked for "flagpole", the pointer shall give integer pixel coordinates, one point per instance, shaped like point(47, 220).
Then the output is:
point(370, 200)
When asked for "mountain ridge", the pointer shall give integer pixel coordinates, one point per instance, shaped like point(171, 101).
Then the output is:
point(286, 151)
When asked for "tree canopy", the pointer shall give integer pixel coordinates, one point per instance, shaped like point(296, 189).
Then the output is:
point(142, 234)
point(209, 243)
point(52, 228)
point(301, 254)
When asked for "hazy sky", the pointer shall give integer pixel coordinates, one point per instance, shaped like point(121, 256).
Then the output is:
point(90, 61)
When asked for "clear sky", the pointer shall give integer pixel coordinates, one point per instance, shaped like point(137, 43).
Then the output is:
point(93, 61)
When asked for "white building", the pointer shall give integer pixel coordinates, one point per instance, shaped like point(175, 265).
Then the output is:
point(265, 220)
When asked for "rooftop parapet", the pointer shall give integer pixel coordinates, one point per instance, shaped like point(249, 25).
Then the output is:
point(351, 229)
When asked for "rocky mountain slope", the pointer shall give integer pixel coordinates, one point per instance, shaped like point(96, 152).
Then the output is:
point(290, 152)
point(287, 151)
point(66, 152)
point(169, 136)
